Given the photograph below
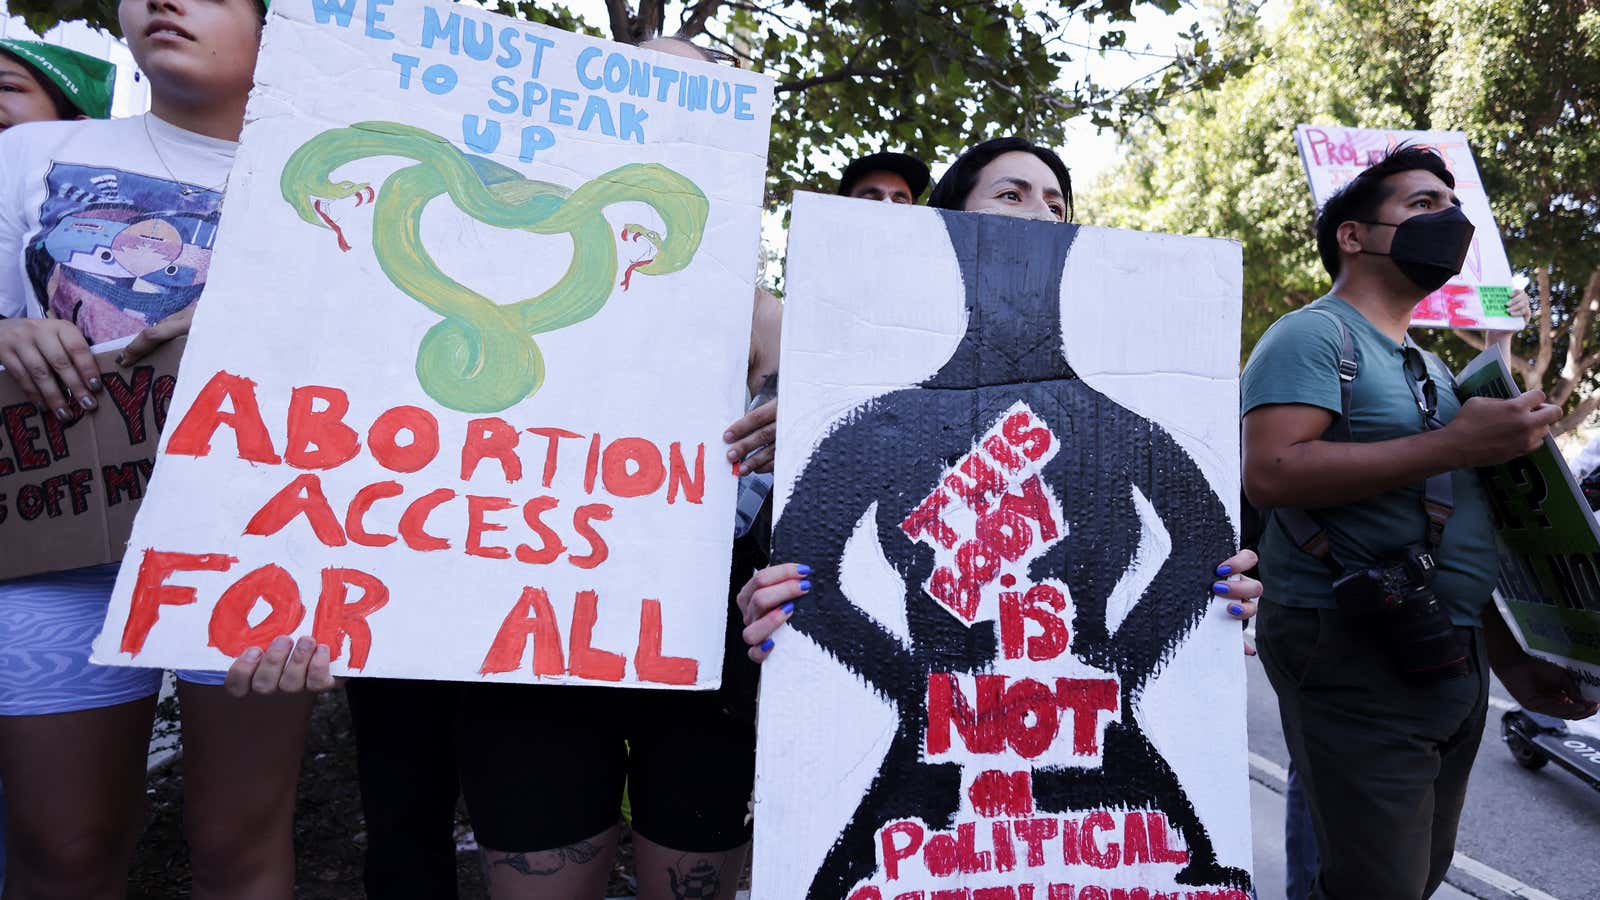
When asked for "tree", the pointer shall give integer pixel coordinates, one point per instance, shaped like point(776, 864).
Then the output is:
point(1520, 77)
point(930, 77)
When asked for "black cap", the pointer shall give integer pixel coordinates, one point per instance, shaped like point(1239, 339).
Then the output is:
point(913, 170)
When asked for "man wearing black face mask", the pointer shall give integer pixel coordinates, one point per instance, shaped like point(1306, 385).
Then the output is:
point(1379, 558)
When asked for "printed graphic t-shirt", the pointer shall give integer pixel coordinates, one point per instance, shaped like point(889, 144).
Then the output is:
point(107, 224)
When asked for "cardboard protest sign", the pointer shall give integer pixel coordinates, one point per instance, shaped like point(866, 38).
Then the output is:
point(69, 490)
point(454, 399)
point(1549, 590)
point(1476, 298)
point(1009, 678)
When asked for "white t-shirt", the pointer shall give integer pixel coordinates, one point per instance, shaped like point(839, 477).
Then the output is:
point(108, 224)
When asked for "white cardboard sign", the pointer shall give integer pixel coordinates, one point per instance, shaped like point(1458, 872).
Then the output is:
point(1009, 678)
point(1476, 298)
point(454, 399)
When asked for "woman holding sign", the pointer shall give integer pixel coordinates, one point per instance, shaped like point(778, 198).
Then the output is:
point(106, 231)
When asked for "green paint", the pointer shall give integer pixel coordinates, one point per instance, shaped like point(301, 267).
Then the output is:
point(1494, 300)
point(482, 357)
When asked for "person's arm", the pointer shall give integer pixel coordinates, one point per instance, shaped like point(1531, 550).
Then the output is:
point(1287, 464)
point(752, 439)
point(1536, 684)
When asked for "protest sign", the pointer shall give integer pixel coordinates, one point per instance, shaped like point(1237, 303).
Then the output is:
point(453, 402)
point(69, 490)
point(1476, 298)
point(1549, 542)
point(1009, 678)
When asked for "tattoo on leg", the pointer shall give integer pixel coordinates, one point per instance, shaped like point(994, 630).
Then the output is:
point(544, 862)
point(697, 876)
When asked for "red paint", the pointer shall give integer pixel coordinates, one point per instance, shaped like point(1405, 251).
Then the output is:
point(960, 596)
point(1089, 849)
point(553, 437)
point(301, 497)
point(192, 436)
point(1159, 851)
point(647, 471)
point(972, 861)
point(599, 552)
point(980, 730)
point(1087, 697)
point(344, 245)
point(161, 398)
point(1135, 842)
point(22, 435)
point(1008, 580)
point(1043, 605)
point(866, 893)
point(1060, 892)
point(1008, 458)
point(550, 543)
point(985, 482)
point(951, 894)
point(628, 275)
point(532, 615)
point(1024, 697)
point(995, 893)
point(586, 661)
point(1033, 833)
point(129, 398)
point(477, 507)
point(1025, 434)
point(335, 442)
point(1005, 852)
point(55, 430)
point(995, 793)
point(941, 856)
point(414, 520)
point(151, 591)
point(382, 439)
point(591, 464)
point(678, 477)
point(491, 438)
point(926, 518)
point(894, 852)
point(1004, 532)
point(355, 515)
point(336, 618)
point(230, 630)
point(648, 662)
point(1034, 505)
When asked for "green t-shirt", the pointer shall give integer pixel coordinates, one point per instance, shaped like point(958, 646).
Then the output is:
point(1297, 361)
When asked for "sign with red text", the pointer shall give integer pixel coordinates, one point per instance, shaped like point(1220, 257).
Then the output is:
point(1009, 678)
point(69, 488)
point(1476, 298)
point(454, 401)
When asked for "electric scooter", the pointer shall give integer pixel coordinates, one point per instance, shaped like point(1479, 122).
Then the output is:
point(1535, 740)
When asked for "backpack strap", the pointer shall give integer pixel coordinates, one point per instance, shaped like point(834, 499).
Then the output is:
point(1301, 528)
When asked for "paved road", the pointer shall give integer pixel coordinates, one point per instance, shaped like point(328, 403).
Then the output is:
point(1539, 830)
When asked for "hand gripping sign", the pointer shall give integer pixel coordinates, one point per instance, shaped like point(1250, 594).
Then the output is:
point(1007, 680)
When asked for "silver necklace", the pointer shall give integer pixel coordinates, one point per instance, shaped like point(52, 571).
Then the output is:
point(183, 188)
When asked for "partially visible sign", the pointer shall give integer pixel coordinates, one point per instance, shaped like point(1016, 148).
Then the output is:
point(68, 490)
point(1549, 591)
point(1334, 155)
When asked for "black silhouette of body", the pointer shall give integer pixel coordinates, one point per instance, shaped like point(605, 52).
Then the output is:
point(892, 450)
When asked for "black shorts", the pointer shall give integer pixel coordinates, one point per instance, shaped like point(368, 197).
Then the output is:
point(544, 767)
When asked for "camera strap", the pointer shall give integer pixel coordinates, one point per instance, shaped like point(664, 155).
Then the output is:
point(1438, 494)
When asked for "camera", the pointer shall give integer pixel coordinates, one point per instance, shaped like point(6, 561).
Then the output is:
point(1393, 598)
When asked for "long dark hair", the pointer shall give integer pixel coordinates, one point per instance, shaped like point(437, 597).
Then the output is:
point(952, 190)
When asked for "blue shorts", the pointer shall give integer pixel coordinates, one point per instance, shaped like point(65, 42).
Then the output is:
point(47, 623)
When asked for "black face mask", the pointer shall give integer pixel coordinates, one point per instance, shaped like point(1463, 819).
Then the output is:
point(1429, 249)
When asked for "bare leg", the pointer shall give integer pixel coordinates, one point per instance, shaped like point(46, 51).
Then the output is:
point(241, 764)
point(74, 792)
point(575, 872)
point(668, 874)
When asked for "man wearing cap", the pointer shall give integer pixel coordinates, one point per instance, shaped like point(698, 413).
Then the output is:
point(41, 82)
point(889, 177)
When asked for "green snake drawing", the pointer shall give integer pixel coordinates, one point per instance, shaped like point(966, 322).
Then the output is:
point(482, 356)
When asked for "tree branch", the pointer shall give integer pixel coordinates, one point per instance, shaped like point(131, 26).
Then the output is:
point(1574, 370)
point(843, 74)
point(1579, 413)
point(1473, 339)
point(696, 17)
point(621, 20)
point(1547, 338)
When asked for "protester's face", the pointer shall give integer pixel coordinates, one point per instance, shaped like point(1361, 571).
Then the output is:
point(22, 97)
point(1018, 183)
point(198, 48)
point(888, 187)
point(1413, 193)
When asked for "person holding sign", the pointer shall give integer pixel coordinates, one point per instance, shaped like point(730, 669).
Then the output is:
point(106, 231)
point(1380, 554)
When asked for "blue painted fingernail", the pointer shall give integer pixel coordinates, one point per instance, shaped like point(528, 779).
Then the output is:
point(1236, 609)
point(94, 384)
point(788, 608)
point(766, 645)
point(803, 569)
point(1220, 587)
point(805, 586)
point(1224, 571)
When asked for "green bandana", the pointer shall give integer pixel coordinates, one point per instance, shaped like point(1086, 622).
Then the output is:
point(86, 80)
